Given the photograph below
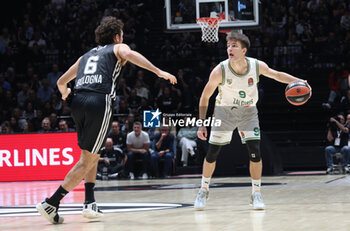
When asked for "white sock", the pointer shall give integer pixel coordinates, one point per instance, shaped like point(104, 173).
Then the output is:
point(256, 185)
point(205, 182)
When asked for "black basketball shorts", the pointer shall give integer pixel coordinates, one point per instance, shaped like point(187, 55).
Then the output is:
point(92, 114)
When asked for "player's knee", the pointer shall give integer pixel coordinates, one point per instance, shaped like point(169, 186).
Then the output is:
point(213, 152)
point(254, 150)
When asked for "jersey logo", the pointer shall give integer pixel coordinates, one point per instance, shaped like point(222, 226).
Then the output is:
point(229, 81)
point(250, 82)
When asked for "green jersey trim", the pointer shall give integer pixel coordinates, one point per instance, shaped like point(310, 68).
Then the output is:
point(223, 74)
point(251, 138)
point(257, 70)
point(238, 75)
point(220, 144)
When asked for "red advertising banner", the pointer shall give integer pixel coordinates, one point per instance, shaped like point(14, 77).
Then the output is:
point(32, 157)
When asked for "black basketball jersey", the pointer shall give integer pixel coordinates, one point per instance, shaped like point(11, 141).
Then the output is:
point(98, 71)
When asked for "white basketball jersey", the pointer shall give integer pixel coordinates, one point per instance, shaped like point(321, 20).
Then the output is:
point(238, 90)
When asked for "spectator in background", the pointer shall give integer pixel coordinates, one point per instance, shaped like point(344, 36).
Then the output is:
point(168, 102)
point(64, 127)
point(144, 106)
point(34, 82)
point(187, 140)
point(45, 125)
point(338, 136)
point(112, 160)
point(345, 20)
point(123, 107)
point(338, 84)
point(344, 107)
point(134, 101)
point(162, 145)
point(23, 95)
point(17, 113)
point(141, 77)
point(187, 99)
point(5, 128)
point(37, 40)
point(123, 91)
point(117, 136)
point(54, 122)
point(29, 112)
point(53, 76)
point(4, 84)
point(45, 91)
point(128, 123)
point(137, 143)
point(14, 127)
point(56, 103)
point(37, 120)
point(141, 91)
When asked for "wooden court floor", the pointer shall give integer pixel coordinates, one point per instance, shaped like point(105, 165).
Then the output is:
point(311, 202)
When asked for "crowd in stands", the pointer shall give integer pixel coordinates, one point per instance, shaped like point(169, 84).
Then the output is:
point(43, 38)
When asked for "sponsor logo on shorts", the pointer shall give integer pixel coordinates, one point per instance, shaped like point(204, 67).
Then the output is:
point(242, 135)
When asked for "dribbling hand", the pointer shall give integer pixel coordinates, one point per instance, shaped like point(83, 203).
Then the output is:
point(66, 94)
point(202, 133)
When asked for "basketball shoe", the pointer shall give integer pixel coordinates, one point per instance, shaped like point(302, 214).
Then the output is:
point(201, 199)
point(91, 211)
point(256, 201)
point(49, 212)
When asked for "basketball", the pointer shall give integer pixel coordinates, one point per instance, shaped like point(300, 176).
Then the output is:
point(298, 93)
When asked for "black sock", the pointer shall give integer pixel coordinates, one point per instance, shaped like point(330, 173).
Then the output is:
point(57, 196)
point(89, 193)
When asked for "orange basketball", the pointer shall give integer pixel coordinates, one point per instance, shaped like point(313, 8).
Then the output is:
point(298, 92)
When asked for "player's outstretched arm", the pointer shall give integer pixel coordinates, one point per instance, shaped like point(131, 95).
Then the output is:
point(125, 53)
point(279, 76)
point(282, 77)
point(69, 75)
point(215, 79)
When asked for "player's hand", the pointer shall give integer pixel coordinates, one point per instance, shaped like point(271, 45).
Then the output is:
point(167, 76)
point(202, 133)
point(66, 94)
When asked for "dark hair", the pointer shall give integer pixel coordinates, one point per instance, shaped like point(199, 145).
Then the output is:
point(240, 37)
point(137, 123)
point(106, 31)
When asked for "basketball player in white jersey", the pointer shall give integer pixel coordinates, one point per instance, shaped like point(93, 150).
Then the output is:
point(236, 79)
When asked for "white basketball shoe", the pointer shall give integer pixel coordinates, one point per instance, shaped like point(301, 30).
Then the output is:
point(91, 211)
point(201, 199)
point(49, 212)
point(256, 201)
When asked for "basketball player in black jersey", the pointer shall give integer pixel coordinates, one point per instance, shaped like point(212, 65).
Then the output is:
point(96, 74)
